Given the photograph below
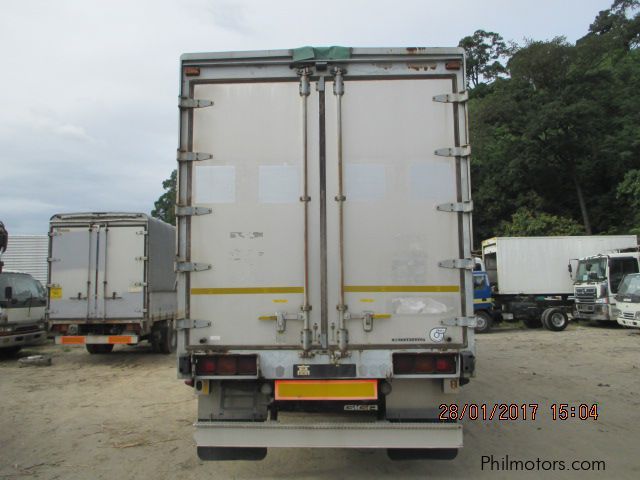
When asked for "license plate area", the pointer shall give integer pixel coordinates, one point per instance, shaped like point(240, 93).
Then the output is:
point(326, 390)
point(585, 308)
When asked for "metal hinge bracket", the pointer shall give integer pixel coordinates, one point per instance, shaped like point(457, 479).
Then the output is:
point(461, 263)
point(460, 97)
point(470, 322)
point(142, 259)
point(193, 156)
point(464, 207)
point(188, 323)
point(192, 211)
point(463, 151)
point(183, 267)
point(194, 103)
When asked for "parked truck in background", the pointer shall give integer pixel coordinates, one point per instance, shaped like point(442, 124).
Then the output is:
point(530, 277)
point(597, 279)
point(111, 281)
point(627, 308)
point(324, 249)
point(22, 311)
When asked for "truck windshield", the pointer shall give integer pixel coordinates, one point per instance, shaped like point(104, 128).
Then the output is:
point(591, 269)
point(630, 286)
point(26, 291)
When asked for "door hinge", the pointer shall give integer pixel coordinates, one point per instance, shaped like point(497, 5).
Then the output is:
point(183, 267)
point(470, 322)
point(193, 156)
point(188, 323)
point(463, 151)
point(141, 232)
point(464, 207)
point(460, 97)
point(142, 259)
point(192, 211)
point(461, 263)
point(52, 259)
point(186, 102)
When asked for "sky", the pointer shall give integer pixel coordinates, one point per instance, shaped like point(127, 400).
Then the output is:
point(88, 88)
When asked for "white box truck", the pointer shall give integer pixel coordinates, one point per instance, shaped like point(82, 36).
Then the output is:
point(532, 277)
point(28, 254)
point(111, 281)
point(324, 249)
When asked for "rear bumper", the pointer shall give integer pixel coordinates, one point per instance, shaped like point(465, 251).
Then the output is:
point(23, 339)
point(97, 339)
point(381, 434)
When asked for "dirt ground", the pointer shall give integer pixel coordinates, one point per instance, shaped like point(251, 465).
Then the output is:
point(125, 415)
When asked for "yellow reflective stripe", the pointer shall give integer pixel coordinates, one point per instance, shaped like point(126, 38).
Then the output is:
point(245, 290)
point(268, 317)
point(402, 288)
point(381, 315)
point(482, 300)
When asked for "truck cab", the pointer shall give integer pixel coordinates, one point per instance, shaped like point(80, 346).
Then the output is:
point(627, 309)
point(483, 307)
point(596, 283)
point(22, 312)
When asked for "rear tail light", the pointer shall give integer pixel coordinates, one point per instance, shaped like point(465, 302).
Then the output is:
point(226, 365)
point(423, 363)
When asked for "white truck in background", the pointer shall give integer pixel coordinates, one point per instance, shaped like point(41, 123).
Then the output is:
point(22, 312)
point(627, 308)
point(531, 276)
point(598, 277)
point(111, 281)
point(28, 254)
point(324, 249)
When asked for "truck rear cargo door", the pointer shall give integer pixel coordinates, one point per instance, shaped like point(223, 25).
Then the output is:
point(385, 247)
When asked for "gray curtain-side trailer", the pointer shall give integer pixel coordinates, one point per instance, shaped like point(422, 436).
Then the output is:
point(111, 280)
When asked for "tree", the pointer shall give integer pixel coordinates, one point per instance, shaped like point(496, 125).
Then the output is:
point(526, 223)
point(484, 51)
point(166, 204)
point(629, 192)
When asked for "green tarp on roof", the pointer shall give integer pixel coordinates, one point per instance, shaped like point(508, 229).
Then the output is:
point(305, 54)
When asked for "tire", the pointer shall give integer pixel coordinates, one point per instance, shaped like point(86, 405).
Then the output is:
point(216, 454)
point(9, 351)
point(422, 453)
point(532, 322)
point(556, 320)
point(163, 338)
point(99, 348)
point(485, 322)
point(543, 317)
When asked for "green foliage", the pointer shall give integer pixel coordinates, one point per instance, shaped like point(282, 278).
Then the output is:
point(485, 50)
point(553, 142)
point(166, 204)
point(628, 192)
point(526, 223)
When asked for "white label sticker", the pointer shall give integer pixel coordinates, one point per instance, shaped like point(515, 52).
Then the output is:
point(215, 184)
point(437, 334)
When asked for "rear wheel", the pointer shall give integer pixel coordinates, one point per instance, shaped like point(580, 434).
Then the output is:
point(9, 351)
point(484, 321)
point(97, 348)
point(422, 453)
point(556, 320)
point(163, 337)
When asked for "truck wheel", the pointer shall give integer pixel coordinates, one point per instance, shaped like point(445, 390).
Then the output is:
point(532, 322)
point(95, 348)
point(556, 320)
point(484, 322)
point(9, 351)
point(422, 453)
point(163, 340)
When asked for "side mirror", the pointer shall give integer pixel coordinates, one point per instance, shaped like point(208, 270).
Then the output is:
point(8, 293)
point(570, 268)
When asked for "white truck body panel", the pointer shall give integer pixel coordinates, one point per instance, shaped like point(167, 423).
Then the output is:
point(539, 265)
point(28, 254)
point(111, 267)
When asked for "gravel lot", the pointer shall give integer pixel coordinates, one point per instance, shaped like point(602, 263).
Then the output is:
point(125, 415)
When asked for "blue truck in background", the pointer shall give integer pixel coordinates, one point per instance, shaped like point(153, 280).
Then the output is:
point(483, 306)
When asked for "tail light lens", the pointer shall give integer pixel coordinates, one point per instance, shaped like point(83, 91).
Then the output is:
point(423, 363)
point(226, 365)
